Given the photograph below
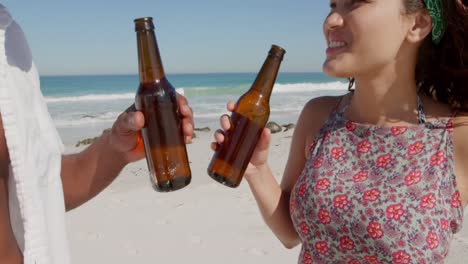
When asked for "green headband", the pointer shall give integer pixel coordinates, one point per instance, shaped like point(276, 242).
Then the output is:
point(438, 24)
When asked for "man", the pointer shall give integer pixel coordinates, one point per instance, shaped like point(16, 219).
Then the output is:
point(37, 183)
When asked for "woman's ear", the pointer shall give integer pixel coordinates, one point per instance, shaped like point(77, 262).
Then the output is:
point(422, 26)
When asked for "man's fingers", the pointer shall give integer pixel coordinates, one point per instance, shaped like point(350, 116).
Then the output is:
point(137, 120)
point(182, 99)
point(187, 129)
point(129, 122)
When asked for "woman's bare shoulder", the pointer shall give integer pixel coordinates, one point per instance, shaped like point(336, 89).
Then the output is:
point(323, 105)
point(317, 110)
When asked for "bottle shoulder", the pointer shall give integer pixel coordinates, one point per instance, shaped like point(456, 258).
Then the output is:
point(253, 107)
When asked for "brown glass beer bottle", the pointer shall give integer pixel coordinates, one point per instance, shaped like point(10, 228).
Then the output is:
point(156, 98)
point(247, 122)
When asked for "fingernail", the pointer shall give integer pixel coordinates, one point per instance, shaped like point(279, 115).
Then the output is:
point(132, 121)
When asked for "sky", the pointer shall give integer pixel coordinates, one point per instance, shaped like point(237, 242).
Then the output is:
point(194, 36)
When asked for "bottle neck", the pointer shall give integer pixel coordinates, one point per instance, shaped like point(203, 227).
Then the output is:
point(149, 59)
point(266, 78)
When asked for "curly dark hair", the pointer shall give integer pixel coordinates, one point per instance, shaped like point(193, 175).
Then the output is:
point(442, 69)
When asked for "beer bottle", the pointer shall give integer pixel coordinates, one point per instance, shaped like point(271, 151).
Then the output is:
point(247, 122)
point(156, 98)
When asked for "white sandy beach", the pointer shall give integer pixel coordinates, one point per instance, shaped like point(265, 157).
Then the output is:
point(202, 223)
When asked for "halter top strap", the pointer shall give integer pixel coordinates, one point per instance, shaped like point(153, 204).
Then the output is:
point(420, 108)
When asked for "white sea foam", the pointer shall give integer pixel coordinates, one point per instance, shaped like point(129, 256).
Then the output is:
point(194, 91)
point(287, 101)
point(73, 120)
point(90, 97)
point(96, 97)
point(309, 87)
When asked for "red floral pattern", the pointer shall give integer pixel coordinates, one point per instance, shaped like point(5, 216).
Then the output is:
point(318, 163)
point(398, 130)
point(383, 161)
point(413, 178)
point(364, 146)
point(307, 258)
point(322, 184)
point(438, 158)
point(321, 247)
point(361, 176)
point(305, 229)
point(337, 153)
point(395, 211)
point(346, 243)
point(415, 148)
point(375, 230)
point(324, 216)
point(401, 257)
point(371, 259)
point(456, 200)
point(432, 240)
point(428, 201)
point(340, 201)
point(371, 194)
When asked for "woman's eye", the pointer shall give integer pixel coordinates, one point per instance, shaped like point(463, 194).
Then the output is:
point(359, 1)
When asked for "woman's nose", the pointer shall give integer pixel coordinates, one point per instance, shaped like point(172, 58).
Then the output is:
point(332, 21)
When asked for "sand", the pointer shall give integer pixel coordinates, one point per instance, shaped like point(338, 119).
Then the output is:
point(203, 223)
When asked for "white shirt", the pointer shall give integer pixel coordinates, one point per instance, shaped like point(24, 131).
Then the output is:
point(36, 199)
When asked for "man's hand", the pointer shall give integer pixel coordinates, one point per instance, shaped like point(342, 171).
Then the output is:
point(125, 134)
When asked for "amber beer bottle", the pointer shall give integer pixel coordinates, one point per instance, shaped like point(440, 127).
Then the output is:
point(247, 122)
point(156, 98)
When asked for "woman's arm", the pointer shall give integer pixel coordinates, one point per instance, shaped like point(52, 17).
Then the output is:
point(461, 154)
point(272, 198)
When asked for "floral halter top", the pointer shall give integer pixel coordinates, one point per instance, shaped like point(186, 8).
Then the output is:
point(374, 194)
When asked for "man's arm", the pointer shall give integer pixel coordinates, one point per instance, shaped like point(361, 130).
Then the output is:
point(87, 173)
point(9, 251)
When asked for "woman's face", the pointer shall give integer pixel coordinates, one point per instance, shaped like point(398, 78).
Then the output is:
point(363, 36)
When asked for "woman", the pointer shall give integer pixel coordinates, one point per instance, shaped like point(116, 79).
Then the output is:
point(379, 175)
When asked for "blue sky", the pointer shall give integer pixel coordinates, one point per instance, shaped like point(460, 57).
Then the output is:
point(195, 36)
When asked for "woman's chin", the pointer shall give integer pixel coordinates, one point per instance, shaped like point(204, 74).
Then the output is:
point(333, 72)
point(338, 68)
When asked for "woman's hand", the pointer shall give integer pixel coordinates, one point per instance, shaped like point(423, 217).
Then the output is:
point(125, 135)
point(260, 155)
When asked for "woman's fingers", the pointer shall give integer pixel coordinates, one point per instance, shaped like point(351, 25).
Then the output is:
point(231, 105)
point(219, 136)
point(225, 122)
point(214, 146)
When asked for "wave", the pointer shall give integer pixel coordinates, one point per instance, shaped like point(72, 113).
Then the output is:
point(309, 87)
point(71, 120)
point(207, 91)
point(90, 97)
point(95, 97)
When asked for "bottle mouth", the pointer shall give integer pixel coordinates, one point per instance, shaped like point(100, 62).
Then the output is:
point(277, 51)
point(144, 23)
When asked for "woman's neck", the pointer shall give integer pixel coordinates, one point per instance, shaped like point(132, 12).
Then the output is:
point(384, 99)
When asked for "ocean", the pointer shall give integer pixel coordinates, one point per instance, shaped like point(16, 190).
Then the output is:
point(82, 105)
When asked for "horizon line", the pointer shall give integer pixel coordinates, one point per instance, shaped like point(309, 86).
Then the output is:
point(178, 73)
